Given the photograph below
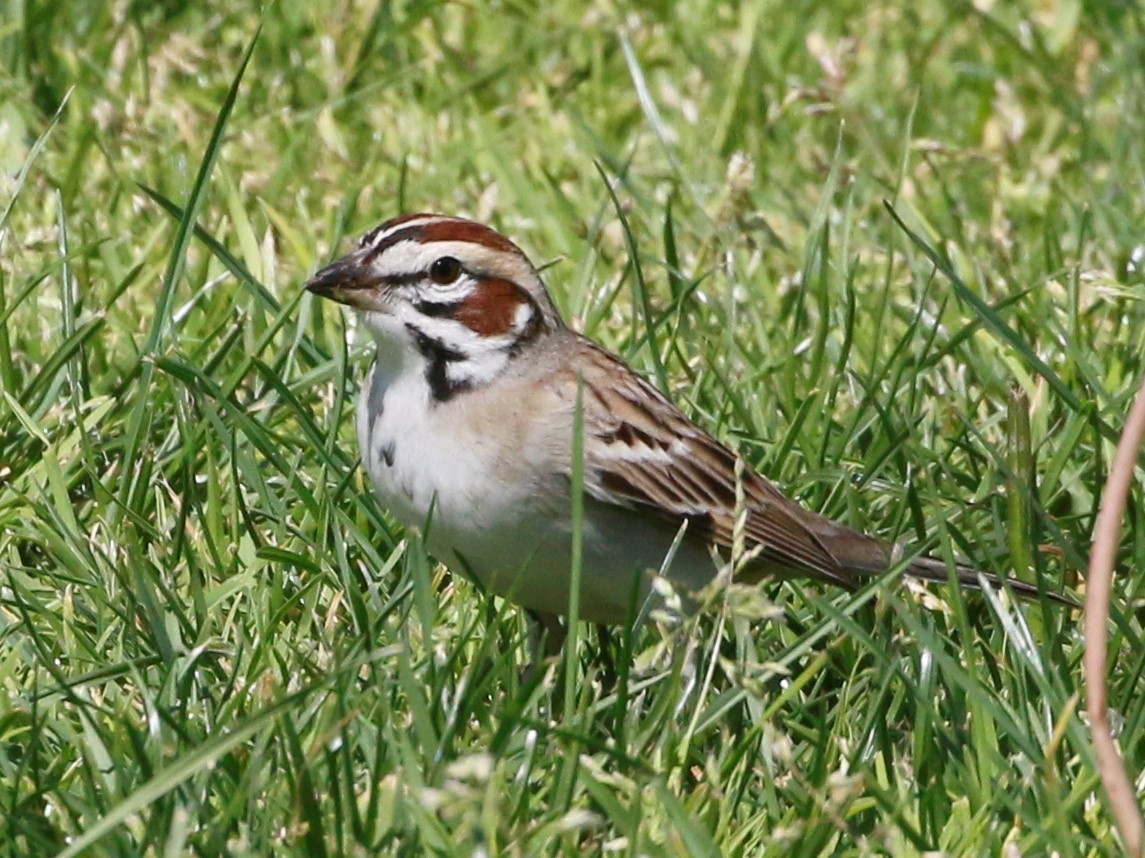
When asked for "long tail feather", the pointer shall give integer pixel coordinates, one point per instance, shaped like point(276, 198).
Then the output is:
point(930, 569)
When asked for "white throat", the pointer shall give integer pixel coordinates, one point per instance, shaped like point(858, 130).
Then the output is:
point(447, 356)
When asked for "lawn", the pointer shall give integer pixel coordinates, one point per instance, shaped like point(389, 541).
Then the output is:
point(890, 252)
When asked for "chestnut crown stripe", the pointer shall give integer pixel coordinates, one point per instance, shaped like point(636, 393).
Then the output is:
point(427, 228)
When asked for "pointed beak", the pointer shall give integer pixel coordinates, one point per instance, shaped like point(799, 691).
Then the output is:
point(348, 281)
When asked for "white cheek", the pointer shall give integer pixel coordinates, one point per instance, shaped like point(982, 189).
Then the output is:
point(384, 326)
point(523, 316)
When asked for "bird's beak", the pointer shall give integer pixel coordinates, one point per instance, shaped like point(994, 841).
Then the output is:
point(349, 281)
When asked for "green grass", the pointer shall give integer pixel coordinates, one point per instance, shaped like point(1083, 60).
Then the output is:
point(212, 638)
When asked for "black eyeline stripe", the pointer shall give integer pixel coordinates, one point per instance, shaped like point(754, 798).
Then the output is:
point(437, 310)
point(438, 356)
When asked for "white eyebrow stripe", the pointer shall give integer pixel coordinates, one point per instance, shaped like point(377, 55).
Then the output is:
point(412, 223)
point(377, 237)
point(414, 257)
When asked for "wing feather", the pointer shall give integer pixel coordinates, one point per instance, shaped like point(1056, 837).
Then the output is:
point(641, 452)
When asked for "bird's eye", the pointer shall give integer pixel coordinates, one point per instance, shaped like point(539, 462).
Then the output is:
point(445, 270)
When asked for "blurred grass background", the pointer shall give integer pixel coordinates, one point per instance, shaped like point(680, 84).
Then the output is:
point(212, 639)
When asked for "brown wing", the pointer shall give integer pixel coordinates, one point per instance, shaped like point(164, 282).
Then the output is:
point(644, 454)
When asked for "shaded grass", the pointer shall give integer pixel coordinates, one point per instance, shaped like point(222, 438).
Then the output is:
point(212, 639)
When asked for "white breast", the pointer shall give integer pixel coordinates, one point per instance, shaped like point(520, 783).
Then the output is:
point(416, 460)
point(422, 456)
point(497, 511)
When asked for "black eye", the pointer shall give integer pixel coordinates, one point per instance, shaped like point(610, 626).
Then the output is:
point(444, 270)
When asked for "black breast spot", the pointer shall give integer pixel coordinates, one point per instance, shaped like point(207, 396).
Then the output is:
point(387, 452)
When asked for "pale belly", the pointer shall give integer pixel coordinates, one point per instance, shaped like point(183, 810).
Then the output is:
point(532, 566)
point(510, 532)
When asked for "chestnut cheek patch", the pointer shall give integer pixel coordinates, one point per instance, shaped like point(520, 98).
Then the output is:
point(495, 308)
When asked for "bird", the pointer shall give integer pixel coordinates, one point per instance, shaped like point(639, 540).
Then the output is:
point(466, 423)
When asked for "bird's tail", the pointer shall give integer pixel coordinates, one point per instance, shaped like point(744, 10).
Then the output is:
point(861, 557)
point(931, 569)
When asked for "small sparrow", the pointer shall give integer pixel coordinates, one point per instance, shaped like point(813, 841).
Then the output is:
point(466, 426)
